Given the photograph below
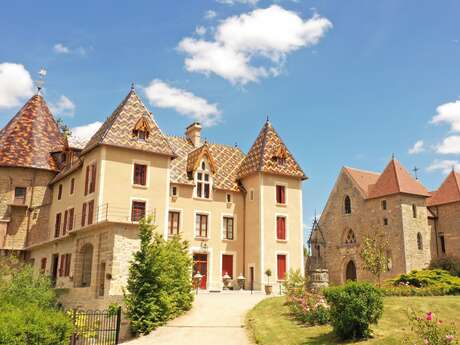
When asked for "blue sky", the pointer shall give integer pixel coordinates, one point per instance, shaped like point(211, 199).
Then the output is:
point(360, 80)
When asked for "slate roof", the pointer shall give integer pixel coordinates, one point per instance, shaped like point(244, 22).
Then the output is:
point(30, 137)
point(448, 192)
point(226, 158)
point(394, 180)
point(117, 129)
point(262, 154)
point(363, 179)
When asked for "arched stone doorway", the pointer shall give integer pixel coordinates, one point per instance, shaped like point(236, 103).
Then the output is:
point(350, 271)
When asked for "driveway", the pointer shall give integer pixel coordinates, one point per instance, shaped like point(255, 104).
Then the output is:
point(215, 319)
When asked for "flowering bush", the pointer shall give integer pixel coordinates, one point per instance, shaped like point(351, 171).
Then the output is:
point(430, 330)
point(309, 309)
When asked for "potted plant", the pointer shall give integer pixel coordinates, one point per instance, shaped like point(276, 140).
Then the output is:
point(268, 286)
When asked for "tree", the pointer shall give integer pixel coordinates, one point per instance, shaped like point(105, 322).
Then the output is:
point(374, 254)
point(160, 280)
point(65, 130)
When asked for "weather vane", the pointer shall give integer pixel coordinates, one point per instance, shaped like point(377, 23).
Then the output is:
point(41, 79)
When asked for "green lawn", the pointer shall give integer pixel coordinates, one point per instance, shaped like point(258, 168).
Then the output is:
point(269, 323)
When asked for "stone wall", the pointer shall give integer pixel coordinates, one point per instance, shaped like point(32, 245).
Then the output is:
point(447, 224)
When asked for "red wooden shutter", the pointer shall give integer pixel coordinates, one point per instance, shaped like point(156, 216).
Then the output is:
point(144, 175)
point(72, 185)
point(281, 228)
point(86, 179)
point(90, 212)
point(83, 214)
point(64, 228)
point(71, 216)
point(57, 226)
point(93, 178)
point(283, 194)
point(281, 261)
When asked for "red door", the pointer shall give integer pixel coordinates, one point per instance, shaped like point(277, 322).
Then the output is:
point(281, 266)
point(200, 264)
point(227, 265)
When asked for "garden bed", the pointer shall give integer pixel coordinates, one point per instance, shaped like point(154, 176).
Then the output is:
point(269, 322)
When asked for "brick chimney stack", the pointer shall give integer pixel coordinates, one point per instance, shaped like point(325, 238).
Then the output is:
point(193, 133)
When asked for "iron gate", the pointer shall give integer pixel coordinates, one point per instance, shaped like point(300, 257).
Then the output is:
point(95, 327)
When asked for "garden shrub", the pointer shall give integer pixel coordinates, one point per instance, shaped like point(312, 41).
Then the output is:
point(448, 263)
point(423, 283)
point(353, 308)
point(429, 329)
point(160, 280)
point(294, 284)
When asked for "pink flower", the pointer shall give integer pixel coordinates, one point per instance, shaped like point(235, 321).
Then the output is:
point(426, 342)
point(449, 338)
point(429, 316)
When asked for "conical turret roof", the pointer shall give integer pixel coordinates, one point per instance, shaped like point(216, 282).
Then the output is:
point(30, 137)
point(269, 154)
point(448, 192)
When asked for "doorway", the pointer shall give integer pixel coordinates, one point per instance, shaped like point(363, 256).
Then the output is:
point(227, 265)
point(350, 273)
point(54, 269)
point(200, 264)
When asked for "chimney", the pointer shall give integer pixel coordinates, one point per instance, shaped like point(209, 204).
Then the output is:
point(193, 133)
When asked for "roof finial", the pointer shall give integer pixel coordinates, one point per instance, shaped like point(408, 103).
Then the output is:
point(133, 87)
point(393, 156)
point(415, 170)
point(41, 79)
point(268, 119)
point(453, 168)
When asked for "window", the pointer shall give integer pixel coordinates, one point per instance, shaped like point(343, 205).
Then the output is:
point(443, 243)
point(90, 178)
point(280, 194)
point(251, 195)
point(414, 211)
point(385, 221)
point(140, 174)
point(90, 212)
point(201, 224)
point(20, 195)
point(281, 228)
point(64, 267)
point(419, 241)
point(86, 265)
point(137, 211)
point(350, 237)
point(71, 219)
point(228, 228)
point(203, 183)
point(281, 266)
point(228, 197)
point(64, 227)
point(173, 222)
point(43, 265)
point(347, 205)
point(384, 204)
point(72, 185)
point(83, 214)
point(57, 225)
point(173, 191)
point(60, 192)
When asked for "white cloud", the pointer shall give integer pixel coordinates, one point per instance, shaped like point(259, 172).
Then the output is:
point(417, 148)
point(61, 48)
point(267, 35)
point(200, 30)
point(233, 2)
point(184, 102)
point(210, 14)
point(63, 107)
point(448, 113)
point(444, 165)
point(85, 132)
point(450, 145)
point(15, 84)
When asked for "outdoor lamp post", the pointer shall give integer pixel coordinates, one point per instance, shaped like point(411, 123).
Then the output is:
point(241, 280)
point(197, 278)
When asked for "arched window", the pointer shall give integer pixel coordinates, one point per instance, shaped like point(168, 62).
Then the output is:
point(419, 241)
point(350, 271)
point(350, 237)
point(347, 205)
point(86, 264)
point(414, 211)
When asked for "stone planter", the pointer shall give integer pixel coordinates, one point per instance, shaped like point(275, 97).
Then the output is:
point(319, 279)
point(268, 289)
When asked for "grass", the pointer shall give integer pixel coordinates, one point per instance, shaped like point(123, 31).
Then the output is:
point(269, 322)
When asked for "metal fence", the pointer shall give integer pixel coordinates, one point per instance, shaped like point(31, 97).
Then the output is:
point(95, 327)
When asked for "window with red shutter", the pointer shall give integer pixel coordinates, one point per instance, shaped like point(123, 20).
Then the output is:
point(137, 211)
point(90, 212)
point(64, 227)
point(201, 225)
point(280, 194)
point(140, 174)
point(281, 265)
point(57, 225)
point(83, 214)
point(281, 228)
point(174, 221)
point(92, 187)
point(228, 228)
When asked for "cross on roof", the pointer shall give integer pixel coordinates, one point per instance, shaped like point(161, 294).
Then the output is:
point(415, 170)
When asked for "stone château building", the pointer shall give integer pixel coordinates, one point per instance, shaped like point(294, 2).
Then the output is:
point(417, 224)
point(72, 210)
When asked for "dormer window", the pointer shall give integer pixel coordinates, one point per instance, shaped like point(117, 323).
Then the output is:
point(141, 130)
point(203, 182)
point(280, 156)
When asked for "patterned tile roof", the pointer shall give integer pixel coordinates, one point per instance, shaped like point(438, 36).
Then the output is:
point(226, 158)
point(395, 179)
point(269, 154)
point(117, 129)
point(448, 192)
point(363, 179)
point(30, 137)
point(194, 158)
